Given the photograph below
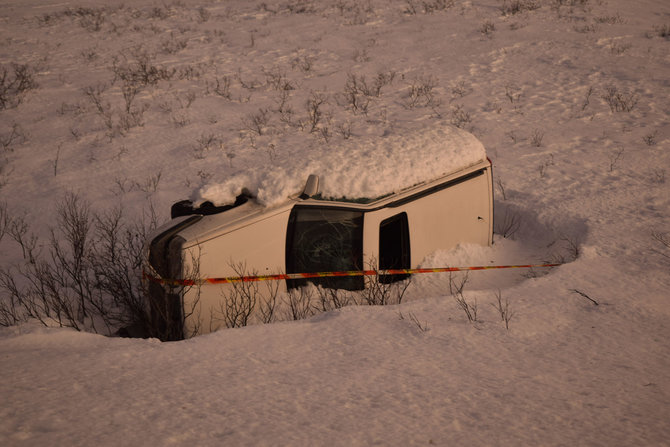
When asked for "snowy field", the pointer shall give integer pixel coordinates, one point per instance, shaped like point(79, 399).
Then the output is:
point(141, 103)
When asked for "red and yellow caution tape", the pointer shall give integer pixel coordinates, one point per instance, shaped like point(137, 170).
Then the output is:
point(280, 276)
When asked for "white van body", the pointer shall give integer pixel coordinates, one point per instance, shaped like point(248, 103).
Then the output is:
point(308, 234)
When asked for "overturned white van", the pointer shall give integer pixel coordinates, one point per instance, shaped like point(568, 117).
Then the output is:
point(309, 232)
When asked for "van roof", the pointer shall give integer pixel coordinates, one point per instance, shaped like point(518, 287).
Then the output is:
point(359, 167)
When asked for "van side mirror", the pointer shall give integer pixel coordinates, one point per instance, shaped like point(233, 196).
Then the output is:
point(311, 187)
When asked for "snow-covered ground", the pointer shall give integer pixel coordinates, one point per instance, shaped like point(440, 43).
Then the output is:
point(571, 101)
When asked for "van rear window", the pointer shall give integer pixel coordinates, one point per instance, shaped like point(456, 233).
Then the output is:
point(322, 239)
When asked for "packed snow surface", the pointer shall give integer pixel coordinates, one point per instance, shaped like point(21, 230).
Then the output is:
point(138, 104)
point(357, 168)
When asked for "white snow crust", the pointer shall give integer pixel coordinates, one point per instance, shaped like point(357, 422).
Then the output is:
point(357, 168)
point(570, 100)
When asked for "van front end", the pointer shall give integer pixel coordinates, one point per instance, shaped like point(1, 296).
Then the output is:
point(164, 269)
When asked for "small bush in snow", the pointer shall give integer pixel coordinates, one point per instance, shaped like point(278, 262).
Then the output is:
point(619, 101)
point(381, 292)
point(141, 71)
point(487, 28)
point(14, 135)
point(615, 157)
point(456, 287)
point(609, 20)
point(172, 45)
point(460, 117)
point(238, 301)
point(91, 19)
point(663, 31)
point(257, 122)
point(423, 327)
point(512, 7)
point(87, 276)
point(503, 309)
point(421, 92)
point(650, 139)
point(298, 303)
point(331, 299)
point(315, 112)
point(15, 81)
point(507, 224)
point(536, 138)
point(664, 240)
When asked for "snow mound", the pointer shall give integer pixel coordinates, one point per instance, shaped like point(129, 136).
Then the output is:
point(364, 167)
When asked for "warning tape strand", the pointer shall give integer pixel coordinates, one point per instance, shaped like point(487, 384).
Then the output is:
point(281, 276)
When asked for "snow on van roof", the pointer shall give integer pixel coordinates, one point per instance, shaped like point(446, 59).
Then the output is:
point(369, 166)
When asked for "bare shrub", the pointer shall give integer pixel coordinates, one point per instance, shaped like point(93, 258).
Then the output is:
point(15, 81)
point(650, 138)
point(619, 101)
point(344, 129)
point(501, 188)
point(203, 14)
point(268, 303)
point(222, 87)
point(542, 167)
point(536, 138)
point(301, 7)
point(421, 93)
point(205, 142)
point(503, 309)
point(102, 107)
point(513, 94)
point(5, 220)
point(609, 20)
point(615, 157)
point(663, 239)
point(587, 97)
point(239, 300)
point(277, 80)
point(128, 118)
point(507, 224)
point(430, 6)
point(663, 31)
point(487, 28)
point(423, 327)
point(14, 135)
point(257, 122)
point(356, 12)
point(140, 71)
point(570, 249)
point(511, 7)
point(427, 6)
point(354, 98)
point(331, 299)
point(459, 89)
point(298, 303)
point(379, 291)
point(314, 111)
point(304, 63)
point(91, 19)
point(456, 287)
point(588, 28)
point(460, 117)
point(87, 277)
point(172, 45)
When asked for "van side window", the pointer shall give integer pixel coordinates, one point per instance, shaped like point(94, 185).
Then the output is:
point(321, 239)
point(394, 249)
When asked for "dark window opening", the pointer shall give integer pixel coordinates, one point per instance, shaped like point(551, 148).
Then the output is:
point(325, 240)
point(394, 247)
